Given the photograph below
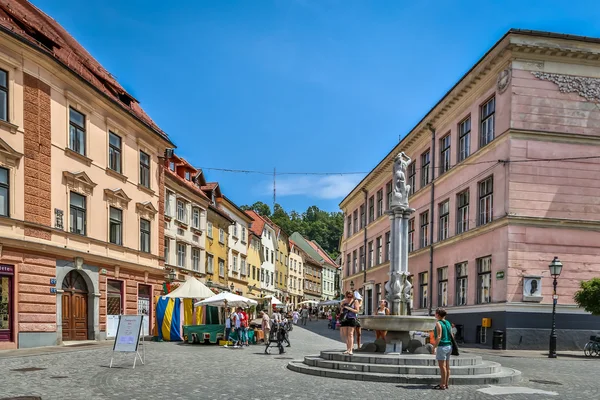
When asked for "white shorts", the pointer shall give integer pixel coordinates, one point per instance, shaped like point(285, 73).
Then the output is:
point(443, 353)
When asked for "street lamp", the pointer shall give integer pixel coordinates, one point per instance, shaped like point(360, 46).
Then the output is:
point(352, 285)
point(555, 270)
point(172, 275)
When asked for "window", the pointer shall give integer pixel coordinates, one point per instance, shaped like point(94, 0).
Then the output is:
point(361, 252)
point(388, 191)
point(187, 175)
point(167, 249)
point(277, 256)
point(484, 280)
point(444, 220)
point(262, 275)
point(144, 235)
point(443, 287)
point(181, 255)
point(354, 263)
point(370, 254)
point(387, 246)
point(234, 264)
point(253, 272)
point(209, 229)
point(379, 203)
point(464, 139)
point(4, 192)
point(78, 213)
point(196, 259)
point(243, 233)
point(144, 169)
point(444, 154)
point(3, 95)
point(196, 218)
point(77, 131)
point(461, 284)
point(486, 200)
point(349, 226)
point(348, 264)
point(243, 266)
point(172, 166)
point(210, 264)
point(114, 152)
point(221, 235)
point(424, 233)
point(425, 161)
point(412, 177)
point(379, 250)
point(371, 209)
point(411, 234)
point(168, 203)
point(487, 122)
point(235, 229)
point(181, 211)
point(355, 221)
point(221, 268)
point(362, 216)
point(272, 259)
point(115, 226)
point(462, 219)
point(423, 280)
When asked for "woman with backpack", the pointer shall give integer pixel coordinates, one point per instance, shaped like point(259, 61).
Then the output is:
point(442, 347)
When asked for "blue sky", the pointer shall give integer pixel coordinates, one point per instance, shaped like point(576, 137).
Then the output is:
point(297, 85)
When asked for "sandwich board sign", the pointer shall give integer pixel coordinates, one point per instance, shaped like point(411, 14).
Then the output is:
point(129, 338)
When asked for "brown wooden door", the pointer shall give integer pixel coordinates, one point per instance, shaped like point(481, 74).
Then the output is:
point(66, 316)
point(79, 321)
point(74, 307)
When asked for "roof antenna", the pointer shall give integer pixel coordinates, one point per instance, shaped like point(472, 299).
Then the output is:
point(274, 188)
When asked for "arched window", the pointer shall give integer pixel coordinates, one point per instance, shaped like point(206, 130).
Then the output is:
point(74, 281)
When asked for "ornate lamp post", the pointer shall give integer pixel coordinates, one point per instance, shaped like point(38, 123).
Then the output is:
point(231, 287)
point(555, 270)
point(172, 275)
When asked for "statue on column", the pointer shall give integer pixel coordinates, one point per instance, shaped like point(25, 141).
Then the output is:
point(400, 187)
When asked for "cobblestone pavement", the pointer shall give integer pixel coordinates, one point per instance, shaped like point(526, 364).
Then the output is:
point(176, 371)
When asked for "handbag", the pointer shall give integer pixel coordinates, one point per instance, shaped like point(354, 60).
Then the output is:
point(455, 351)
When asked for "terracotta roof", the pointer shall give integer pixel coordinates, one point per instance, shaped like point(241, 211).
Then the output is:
point(210, 186)
point(30, 24)
point(258, 224)
point(321, 252)
point(187, 183)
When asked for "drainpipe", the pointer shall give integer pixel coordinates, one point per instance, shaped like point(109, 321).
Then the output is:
point(365, 237)
point(431, 211)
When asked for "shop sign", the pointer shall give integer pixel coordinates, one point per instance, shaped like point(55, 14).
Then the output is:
point(6, 268)
point(500, 275)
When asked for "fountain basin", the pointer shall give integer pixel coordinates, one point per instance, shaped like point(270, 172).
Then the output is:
point(397, 323)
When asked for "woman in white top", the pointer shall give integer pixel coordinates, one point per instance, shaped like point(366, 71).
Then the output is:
point(382, 310)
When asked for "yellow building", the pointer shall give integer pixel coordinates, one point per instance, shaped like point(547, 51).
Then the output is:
point(254, 260)
point(217, 237)
point(281, 266)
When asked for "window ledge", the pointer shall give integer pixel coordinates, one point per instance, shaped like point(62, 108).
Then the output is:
point(146, 189)
point(168, 217)
point(181, 223)
point(11, 127)
point(116, 174)
point(197, 230)
point(73, 154)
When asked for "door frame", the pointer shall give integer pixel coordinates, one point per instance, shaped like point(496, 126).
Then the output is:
point(86, 297)
point(10, 273)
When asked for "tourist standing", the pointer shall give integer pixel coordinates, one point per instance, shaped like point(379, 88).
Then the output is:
point(382, 310)
point(349, 313)
point(295, 316)
point(237, 323)
point(304, 315)
point(227, 325)
point(443, 347)
point(243, 327)
point(266, 325)
point(357, 328)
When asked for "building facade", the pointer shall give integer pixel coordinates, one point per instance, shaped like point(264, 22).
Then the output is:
point(501, 173)
point(185, 220)
point(81, 218)
point(312, 279)
point(268, 239)
point(238, 245)
point(281, 265)
point(295, 275)
point(254, 261)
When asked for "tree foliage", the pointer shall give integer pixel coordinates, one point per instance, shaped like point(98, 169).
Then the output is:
point(588, 296)
point(315, 224)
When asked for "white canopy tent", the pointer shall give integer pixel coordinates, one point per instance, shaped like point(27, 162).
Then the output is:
point(192, 289)
point(274, 301)
point(309, 302)
point(227, 299)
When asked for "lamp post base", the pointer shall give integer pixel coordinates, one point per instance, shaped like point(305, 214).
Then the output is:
point(552, 352)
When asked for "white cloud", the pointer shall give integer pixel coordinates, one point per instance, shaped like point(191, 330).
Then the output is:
point(322, 187)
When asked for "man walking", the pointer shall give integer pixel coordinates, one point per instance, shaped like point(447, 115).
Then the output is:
point(304, 315)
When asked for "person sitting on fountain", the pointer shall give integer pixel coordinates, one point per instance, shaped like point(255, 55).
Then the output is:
point(382, 310)
point(350, 307)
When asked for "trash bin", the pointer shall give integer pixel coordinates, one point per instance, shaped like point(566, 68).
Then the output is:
point(498, 340)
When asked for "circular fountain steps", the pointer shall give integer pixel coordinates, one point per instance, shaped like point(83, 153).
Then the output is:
point(418, 369)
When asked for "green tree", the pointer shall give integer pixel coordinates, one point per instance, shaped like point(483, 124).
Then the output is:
point(588, 296)
point(259, 207)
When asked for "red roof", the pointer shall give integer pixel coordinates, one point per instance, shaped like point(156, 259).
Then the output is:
point(29, 23)
point(258, 224)
point(187, 183)
point(321, 252)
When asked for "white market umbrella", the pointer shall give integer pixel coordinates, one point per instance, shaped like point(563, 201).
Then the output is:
point(274, 300)
point(309, 302)
point(227, 299)
point(192, 289)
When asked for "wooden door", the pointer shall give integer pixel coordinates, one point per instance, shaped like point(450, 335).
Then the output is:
point(66, 316)
point(79, 321)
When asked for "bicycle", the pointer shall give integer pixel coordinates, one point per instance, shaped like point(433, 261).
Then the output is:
point(592, 348)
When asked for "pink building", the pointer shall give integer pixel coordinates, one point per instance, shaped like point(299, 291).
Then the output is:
point(505, 176)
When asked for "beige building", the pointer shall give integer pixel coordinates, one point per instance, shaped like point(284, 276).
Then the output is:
point(81, 224)
point(185, 220)
point(295, 274)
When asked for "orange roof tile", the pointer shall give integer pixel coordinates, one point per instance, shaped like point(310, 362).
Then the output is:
point(22, 19)
point(259, 223)
point(187, 183)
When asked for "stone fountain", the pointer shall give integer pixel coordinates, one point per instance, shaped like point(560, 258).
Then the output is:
point(398, 324)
